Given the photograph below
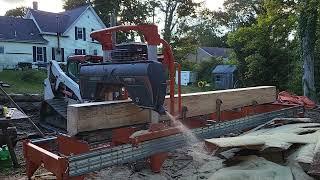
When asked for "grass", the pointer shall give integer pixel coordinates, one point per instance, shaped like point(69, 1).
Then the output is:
point(192, 89)
point(27, 81)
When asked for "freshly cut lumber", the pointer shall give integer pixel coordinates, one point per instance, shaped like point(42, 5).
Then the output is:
point(103, 115)
point(202, 103)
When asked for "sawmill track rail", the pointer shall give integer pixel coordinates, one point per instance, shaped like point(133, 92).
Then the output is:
point(96, 160)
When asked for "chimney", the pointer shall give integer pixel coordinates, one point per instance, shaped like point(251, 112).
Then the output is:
point(35, 5)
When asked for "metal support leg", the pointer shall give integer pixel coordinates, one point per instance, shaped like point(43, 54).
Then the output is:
point(218, 109)
point(184, 113)
point(157, 160)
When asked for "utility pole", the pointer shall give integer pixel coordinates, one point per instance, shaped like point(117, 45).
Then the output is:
point(113, 22)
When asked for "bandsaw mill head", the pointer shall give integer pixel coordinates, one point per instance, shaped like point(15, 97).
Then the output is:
point(132, 68)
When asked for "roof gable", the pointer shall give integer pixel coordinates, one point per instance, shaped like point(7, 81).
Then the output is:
point(216, 51)
point(49, 22)
point(19, 30)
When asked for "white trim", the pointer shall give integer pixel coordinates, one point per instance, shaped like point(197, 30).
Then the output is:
point(75, 21)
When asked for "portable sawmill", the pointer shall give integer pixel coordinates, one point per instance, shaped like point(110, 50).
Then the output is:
point(130, 70)
point(124, 94)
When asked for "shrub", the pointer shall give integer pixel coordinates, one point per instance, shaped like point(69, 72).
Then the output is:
point(204, 69)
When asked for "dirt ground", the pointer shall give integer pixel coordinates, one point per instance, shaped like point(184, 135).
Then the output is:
point(186, 164)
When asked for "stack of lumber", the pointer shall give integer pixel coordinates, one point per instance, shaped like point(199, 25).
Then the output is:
point(112, 114)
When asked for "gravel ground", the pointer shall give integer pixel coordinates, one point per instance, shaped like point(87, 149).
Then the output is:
point(185, 164)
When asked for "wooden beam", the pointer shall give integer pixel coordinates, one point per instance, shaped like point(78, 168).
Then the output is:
point(203, 103)
point(102, 115)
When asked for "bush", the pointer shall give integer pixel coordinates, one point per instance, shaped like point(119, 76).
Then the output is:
point(204, 69)
point(187, 65)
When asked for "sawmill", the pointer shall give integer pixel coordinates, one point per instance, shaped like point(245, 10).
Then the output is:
point(123, 107)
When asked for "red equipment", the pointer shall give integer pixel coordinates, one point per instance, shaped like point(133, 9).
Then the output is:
point(75, 158)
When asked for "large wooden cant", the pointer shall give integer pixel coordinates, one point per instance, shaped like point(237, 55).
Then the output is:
point(113, 114)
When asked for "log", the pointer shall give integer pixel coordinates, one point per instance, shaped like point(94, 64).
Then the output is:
point(112, 114)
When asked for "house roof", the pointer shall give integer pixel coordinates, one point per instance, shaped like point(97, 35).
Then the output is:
point(49, 22)
point(224, 69)
point(216, 51)
point(19, 30)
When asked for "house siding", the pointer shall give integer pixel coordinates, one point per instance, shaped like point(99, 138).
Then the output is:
point(89, 21)
point(69, 42)
point(15, 52)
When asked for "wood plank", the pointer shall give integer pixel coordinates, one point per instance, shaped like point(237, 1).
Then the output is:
point(102, 115)
point(205, 102)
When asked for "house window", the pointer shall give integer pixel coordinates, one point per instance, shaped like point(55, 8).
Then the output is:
point(80, 33)
point(79, 51)
point(39, 54)
point(95, 52)
point(53, 54)
point(1, 49)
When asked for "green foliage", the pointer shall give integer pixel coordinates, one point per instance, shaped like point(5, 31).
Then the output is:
point(204, 69)
point(127, 12)
point(187, 65)
point(17, 12)
point(175, 12)
point(71, 4)
point(263, 50)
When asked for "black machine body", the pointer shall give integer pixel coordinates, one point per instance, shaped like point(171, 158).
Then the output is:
point(145, 82)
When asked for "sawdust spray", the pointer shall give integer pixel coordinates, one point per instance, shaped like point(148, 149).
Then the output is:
point(197, 149)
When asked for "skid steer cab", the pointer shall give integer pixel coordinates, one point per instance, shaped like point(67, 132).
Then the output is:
point(74, 62)
point(65, 84)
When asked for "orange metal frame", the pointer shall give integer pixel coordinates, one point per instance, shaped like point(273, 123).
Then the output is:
point(35, 155)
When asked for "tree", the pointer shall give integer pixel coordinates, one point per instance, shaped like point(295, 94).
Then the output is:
point(175, 10)
point(263, 49)
point(307, 31)
point(127, 12)
point(239, 13)
point(71, 4)
point(17, 12)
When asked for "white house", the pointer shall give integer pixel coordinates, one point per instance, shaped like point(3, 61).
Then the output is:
point(42, 36)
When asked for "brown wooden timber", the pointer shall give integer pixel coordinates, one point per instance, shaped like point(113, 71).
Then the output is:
point(103, 115)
